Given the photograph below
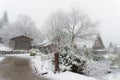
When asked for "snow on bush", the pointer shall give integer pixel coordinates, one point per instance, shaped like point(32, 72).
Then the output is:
point(71, 61)
point(34, 52)
point(97, 57)
point(97, 68)
point(116, 60)
point(88, 54)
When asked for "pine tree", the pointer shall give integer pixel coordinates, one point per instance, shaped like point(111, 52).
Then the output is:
point(4, 20)
point(5, 17)
point(71, 61)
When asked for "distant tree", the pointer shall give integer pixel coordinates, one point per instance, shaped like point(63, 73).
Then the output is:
point(54, 28)
point(5, 17)
point(24, 25)
point(110, 45)
point(1, 23)
point(4, 20)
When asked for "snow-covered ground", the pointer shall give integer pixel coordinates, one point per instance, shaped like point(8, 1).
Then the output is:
point(43, 64)
point(69, 76)
point(112, 76)
point(4, 48)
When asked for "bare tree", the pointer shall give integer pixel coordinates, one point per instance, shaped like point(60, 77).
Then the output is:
point(79, 25)
point(4, 20)
point(68, 26)
point(54, 27)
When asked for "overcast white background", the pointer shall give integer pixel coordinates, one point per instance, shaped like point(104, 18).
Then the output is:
point(107, 11)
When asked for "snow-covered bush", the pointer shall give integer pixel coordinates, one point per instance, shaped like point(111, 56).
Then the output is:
point(116, 60)
point(88, 54)
point(71, 61)
point(98, 57)
point(34, 52)
point(97, 68)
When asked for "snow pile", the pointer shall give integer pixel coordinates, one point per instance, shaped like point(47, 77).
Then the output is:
point(69, 76)
point(4, 48)
point(42, 64)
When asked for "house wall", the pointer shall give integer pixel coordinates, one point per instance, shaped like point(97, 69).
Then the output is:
point(11, 44)
point(22, 45)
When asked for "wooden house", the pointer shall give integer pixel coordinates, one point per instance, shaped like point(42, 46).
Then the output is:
point(21, 42)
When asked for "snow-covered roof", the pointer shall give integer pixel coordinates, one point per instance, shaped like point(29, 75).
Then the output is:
point(44, 43)
point(14, 38)
point(101, 50)
point(88, 43)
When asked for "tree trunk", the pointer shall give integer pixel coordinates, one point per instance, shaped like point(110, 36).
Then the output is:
point(56, 55)
point(72, 41)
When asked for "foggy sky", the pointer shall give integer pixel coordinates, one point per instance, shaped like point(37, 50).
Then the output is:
point(106, 11)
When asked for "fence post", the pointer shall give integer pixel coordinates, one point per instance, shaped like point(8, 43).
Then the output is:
point(56, 55)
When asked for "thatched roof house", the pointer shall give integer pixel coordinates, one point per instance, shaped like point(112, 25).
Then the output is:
point(96, 44)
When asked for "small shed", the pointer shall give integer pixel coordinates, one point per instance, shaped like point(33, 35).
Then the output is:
point(21, 42)
point(46, 46)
